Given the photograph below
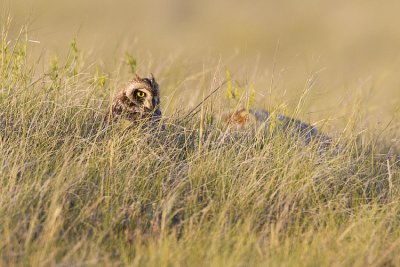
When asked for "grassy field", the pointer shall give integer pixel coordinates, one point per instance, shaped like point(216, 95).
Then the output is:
point(195, 194)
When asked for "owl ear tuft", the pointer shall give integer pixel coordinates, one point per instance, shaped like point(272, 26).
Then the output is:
point(137, 77)
point(152, 80)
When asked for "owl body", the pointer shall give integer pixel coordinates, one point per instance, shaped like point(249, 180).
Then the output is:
point(271, 123)
point(138, 102)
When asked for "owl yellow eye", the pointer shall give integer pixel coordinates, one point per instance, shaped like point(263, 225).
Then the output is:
point(140, 94)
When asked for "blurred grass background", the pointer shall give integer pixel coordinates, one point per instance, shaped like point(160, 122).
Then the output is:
point(352, 45)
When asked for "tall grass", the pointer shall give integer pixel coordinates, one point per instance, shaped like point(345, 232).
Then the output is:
point(72, 194)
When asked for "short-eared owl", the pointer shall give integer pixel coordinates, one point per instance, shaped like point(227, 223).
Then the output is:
point(138, 102)
point(273, 123)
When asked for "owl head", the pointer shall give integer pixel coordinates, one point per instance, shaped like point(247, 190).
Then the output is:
point(139, 100)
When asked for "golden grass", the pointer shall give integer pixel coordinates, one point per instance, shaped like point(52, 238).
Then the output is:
point(193, 194)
